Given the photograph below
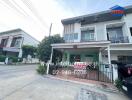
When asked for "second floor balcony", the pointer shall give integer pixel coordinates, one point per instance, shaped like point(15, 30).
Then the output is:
point(14, 42)
point(123, 39)
point(75, 37)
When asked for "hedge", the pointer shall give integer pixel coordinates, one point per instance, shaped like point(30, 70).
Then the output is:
point(2, 58)
point(14, 59)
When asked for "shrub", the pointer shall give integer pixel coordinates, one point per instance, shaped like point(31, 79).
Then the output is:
point(118, 84)
point(13, 59)
point(42, 69)
point(2, 58)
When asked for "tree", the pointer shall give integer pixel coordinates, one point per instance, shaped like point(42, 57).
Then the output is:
point(44, 48)
point(29, 50)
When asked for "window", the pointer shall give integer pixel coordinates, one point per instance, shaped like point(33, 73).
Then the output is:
point(16, 42)
point(4, 42)
point(114, 32)
point(125, 59)
point(131, 30)
point(87, 35)
point(115, 35)
point(75, 36)
point(69, 28)
point(71, 37)
point(65, 37)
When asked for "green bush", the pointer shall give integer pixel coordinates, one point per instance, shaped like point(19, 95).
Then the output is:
point(14, 59)
point(2, 58)
point(118, 84)
point(42, 69)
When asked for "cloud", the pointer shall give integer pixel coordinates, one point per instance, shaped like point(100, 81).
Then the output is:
point(49, 11)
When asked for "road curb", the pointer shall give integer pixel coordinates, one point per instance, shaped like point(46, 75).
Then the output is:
point(67, 80)
point(83, 83)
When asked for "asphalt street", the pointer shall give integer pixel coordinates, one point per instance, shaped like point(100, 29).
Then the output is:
point(23, 83)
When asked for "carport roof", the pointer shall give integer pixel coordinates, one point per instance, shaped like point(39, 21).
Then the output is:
point(76, 45)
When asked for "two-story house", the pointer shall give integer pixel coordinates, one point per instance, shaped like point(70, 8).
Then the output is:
point(11, 42)
point(98, 37)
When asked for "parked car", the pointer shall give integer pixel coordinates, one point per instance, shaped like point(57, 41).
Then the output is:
point(125, 75)
point(127, 86)
point(124, 70)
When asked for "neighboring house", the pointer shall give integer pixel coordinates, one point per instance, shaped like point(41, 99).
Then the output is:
point(99, 37)
point(11, 42)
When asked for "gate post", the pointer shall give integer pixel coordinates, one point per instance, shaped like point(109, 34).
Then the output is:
point(50, 61)
point(115, 72)
point(100, 56)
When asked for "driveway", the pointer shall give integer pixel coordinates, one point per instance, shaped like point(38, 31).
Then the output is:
point(23, 83)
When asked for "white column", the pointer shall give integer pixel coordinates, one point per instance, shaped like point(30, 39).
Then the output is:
point(109, 58)
point(100, 56)
point(21, 42)
point(20, 53)
point(115, 72)
point(50, 61)
point(51, 56)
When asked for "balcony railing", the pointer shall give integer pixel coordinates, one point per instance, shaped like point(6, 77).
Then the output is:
point(87, 40)
point(123, 39)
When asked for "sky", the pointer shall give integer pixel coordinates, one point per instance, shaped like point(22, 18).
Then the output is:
point(35, 16)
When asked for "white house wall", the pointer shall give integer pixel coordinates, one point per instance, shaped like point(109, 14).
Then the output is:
point(26, 39)
point(77, 30)
point(29, 40)
point(105, 58)
point(100, 28)
point(10, 35)
point(121, 47)
point(128, 20)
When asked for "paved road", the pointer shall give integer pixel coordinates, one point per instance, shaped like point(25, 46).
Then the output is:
point(23, 83)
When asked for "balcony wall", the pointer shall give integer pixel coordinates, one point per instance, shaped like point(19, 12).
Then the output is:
point(123, 39)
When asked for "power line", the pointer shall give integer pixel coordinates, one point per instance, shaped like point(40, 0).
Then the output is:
point(9, 5)
point(30, 6)
point(20, 8)
point(13, 5)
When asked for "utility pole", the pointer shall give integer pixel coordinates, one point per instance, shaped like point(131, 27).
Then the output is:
point(50, 29)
